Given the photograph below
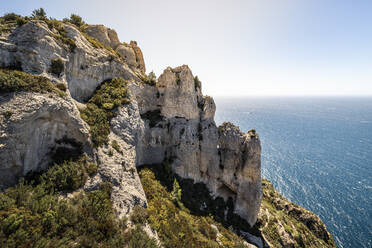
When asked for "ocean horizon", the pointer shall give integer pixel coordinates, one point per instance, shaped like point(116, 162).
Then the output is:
point(317, 151)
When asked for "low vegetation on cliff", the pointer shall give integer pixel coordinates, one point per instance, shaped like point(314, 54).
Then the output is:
point(285, 224)
point(16, 81)
point(176, 225)
point(99, 110)
point(35, 214)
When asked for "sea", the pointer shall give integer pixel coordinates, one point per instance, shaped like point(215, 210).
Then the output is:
point(317, 151)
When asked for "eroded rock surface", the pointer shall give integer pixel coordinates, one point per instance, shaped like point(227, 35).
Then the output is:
point(37, 128)
point(170, 121)
point(33, 46)
point(180, 128)
point(130, 52)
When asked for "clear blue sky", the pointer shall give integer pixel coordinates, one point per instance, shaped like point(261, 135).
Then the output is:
point(241, 47)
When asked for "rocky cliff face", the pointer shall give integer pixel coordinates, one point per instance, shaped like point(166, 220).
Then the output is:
point(170, 121)
point(180, 128)
point(167, 121)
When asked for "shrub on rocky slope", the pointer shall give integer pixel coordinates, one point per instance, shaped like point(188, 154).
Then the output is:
point(14, 81)
point(36, 214)
point(285, 224)
point(99, 110)
point(176, 225)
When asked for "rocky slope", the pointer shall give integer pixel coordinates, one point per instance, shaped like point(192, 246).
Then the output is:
point(285, 224)
point(148, 123)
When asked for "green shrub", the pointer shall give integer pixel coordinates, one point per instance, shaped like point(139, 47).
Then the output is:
point(76, 20)
point(99, 110)
point(139, 239)
point(150, 79)
point(20, 21)
point(98, 120)
point(14, 81)
point(139, 215)
point(111, 94)
point(61, 86)
point(176, 226)
point(57, 66)
point(39, 14)
point(68, 175)
point(176, 193)
point(91, 168)
point(32, 215)
point(11, 17)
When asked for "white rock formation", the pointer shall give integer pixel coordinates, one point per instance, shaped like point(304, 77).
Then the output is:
point(180, 128)
point(33, 46)
point(131, 53)
point(37, 126)
point(170, 121)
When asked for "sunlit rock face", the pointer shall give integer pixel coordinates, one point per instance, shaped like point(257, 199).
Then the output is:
point(131, 53)
point(33, 46)
point(39, 127)
point(180, 128)
point(170, 121)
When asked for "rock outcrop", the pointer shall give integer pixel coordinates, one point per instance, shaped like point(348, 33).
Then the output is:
point(38, 127)
point(285, 224)
point(33, 46)
point(119, 166)
point(240, 161)
point(180, 128)
point(131, 53)
point(170, 121)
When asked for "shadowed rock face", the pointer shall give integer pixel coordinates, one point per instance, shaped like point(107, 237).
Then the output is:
point(170, 121)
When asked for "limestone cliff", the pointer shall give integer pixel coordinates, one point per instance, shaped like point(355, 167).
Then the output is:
point(167, 120)
point(171, 120)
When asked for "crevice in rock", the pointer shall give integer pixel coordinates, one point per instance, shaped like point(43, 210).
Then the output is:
point(154, 117)
point(65, 149)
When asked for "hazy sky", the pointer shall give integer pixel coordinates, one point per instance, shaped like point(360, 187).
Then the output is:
point(241, 47)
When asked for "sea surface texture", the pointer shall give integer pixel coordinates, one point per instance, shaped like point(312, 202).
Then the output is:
point(317, 151)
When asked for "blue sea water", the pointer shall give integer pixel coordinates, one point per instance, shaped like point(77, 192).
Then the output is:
point(317, 151)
